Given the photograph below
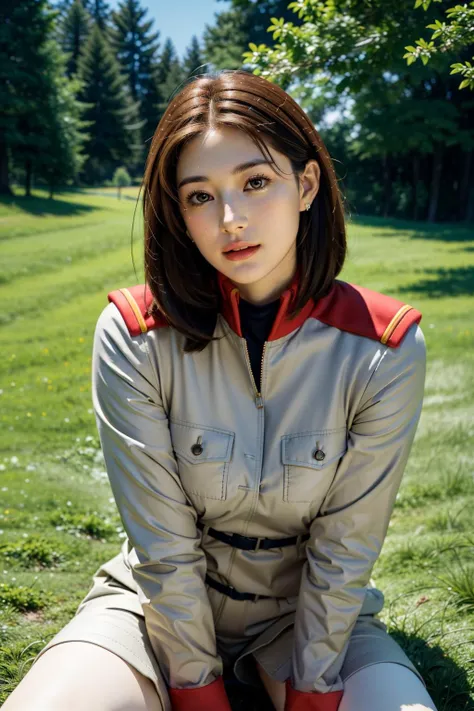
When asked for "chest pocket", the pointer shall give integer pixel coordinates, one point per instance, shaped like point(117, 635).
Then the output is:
point(203, 455)
point(310, 461)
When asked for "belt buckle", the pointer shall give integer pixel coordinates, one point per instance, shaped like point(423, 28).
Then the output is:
point(257, 547)
point(232, 590)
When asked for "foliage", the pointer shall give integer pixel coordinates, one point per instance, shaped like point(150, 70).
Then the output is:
point(73, 32)
point(402, 121)
point(41, 127)
point(121, 179)
point(114, 135)
point(452, 34)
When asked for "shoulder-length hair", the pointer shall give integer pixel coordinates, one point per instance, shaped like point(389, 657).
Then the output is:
point(183, 283)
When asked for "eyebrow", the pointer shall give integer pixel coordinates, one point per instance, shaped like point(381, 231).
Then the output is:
point(238, 169)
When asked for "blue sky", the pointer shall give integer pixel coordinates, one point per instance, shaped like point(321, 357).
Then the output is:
point(180, 19)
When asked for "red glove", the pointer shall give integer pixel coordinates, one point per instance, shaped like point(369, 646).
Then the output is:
point(212, 697)
point(311, 700)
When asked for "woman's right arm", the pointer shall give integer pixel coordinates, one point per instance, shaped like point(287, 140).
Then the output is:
point(156, 515)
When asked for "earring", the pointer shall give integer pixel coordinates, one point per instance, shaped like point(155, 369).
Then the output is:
point(308, 205)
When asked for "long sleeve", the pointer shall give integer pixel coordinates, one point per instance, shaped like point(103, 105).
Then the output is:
point(347, 535)
point(156, 515)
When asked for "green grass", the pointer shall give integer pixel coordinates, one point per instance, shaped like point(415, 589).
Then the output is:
point(58, 520)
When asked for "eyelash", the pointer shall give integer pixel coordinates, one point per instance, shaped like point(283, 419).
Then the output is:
point(260, 176)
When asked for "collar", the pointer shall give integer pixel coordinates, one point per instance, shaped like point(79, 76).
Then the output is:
point(282, 325)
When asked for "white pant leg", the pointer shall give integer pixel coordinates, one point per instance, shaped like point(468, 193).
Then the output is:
point(385, 686)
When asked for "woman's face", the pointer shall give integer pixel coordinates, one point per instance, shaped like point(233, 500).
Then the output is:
point(221, 207)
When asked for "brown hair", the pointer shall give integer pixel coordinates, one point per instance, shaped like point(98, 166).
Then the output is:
point(182, 281)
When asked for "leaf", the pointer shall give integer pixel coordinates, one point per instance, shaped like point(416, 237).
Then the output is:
point(464, 83)
point(410, 48)
point(410, 59)
point(424, 59)
point(253, 46)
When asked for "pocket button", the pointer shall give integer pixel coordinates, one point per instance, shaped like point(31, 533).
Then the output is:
point(319, 455)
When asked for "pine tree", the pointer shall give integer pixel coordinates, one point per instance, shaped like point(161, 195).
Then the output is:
point(74, 32)
point(114, 135)
point(136, 47)
point(245, 21)
point(134, 44)
point(25, 86)
point(99, 10)
point(193, 62)
point(64, 129)
point(169, 76)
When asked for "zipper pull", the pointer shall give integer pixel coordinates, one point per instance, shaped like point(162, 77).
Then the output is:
point(259, 401)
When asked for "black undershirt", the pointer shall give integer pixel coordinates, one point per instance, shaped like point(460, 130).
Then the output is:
point(256, 323)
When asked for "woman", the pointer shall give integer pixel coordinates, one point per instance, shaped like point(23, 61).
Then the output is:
point(256, 415)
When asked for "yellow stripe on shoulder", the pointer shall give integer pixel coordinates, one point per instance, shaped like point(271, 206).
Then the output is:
point(136, 310)
point(394, 322)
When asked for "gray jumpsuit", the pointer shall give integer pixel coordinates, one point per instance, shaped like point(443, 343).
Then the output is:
point(320, 449)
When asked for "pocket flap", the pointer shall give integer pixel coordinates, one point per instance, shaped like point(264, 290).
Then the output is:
point(216, 444)
point(314, 449)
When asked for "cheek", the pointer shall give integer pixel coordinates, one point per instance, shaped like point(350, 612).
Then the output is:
point(282, 212)
point(200, 220)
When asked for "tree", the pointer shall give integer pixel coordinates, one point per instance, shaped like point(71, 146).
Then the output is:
point(451, 35)
point(64, 129)
point(355, 47)
point(26, 84)
point(121, 180)
point(193, 60)
point(100, 12)
point(136, 47)
point(115, 131)
point(74, 31)
point(169, 76)
point(245, 21)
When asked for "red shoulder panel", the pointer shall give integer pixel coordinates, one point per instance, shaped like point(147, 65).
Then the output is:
point(133, 303)
point(366, 313)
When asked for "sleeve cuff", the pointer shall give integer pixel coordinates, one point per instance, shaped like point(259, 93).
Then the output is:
point(201, 698)
point(311, 700)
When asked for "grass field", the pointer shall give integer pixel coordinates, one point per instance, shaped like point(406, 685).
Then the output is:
point(58, 520)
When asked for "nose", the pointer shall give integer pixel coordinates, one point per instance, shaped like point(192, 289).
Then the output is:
point(233, 219)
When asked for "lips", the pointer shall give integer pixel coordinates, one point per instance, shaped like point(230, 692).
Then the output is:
point(238, 255)
point(238, 246)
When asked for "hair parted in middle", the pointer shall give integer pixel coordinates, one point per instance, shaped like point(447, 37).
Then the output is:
point(182, 281)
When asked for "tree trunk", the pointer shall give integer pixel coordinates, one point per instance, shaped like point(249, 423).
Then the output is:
point(464, 207)
point(28, 169)
point(4, 172)
point(416, 178)
point(386, 185)
point(435, 183)
point(470, 205)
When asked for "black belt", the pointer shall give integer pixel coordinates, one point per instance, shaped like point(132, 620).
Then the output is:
point(247, 543)
point(232, 592)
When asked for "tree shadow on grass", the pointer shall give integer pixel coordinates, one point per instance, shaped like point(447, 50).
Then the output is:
point(444, 232)
point(446, 682)
point(44, 207)
point(447, 282)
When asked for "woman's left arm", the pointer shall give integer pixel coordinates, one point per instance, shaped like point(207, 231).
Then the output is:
point(347, 535)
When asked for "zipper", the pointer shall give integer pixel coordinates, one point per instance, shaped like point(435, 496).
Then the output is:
point(258, 396)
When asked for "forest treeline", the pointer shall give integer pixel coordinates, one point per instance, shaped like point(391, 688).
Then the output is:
point(83, 87)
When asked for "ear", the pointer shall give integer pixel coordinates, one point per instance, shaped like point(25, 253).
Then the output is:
point(309, 183)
